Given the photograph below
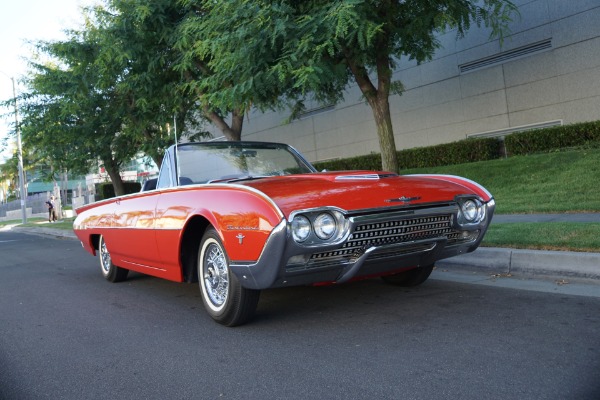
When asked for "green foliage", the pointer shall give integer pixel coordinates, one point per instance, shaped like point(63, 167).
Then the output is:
point(108, 91)
point(560, 138)
point(107, 190)
point(227, 51)
point(272, 54)
point(566, 236)
point(112, 88)
point(66, 119)
point(552, 139)
point(463, 151)
point(370, 162)
point(137, 58)
point(564, 181)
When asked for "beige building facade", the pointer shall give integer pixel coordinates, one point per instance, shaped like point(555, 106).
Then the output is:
point(547, 72)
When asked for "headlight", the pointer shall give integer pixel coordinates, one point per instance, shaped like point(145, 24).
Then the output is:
point(315, 227)
point(300, 228)
point(470, 210)
point(325, 226)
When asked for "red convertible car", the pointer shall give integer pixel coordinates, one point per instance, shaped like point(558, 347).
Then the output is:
point(239, 217)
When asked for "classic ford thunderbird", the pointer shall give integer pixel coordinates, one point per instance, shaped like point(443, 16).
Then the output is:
point(239, 217)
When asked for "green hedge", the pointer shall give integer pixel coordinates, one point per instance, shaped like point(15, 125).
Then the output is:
point(107, 191)
point(370, 162)
point(464, 151)
point(586, 134)
point(546, 140)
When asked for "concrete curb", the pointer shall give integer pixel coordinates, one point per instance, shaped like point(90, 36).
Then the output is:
point(527, 262)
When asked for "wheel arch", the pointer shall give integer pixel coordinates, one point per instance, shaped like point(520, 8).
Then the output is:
point(95, 241)
point(190, 244)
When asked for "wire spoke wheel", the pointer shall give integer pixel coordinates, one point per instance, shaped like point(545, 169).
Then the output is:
point(216, 277)
point(224, 298)
point(105, 261)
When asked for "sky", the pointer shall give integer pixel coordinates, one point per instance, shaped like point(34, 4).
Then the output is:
point(29, 20)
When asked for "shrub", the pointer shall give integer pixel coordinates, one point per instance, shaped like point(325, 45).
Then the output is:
point(369, 162)
point(586, 134)
point(463, 151)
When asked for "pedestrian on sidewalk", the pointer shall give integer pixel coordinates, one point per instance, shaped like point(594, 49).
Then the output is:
point(51, 209)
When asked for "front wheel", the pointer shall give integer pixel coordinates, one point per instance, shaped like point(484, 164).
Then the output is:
point(412, 277)
point(111, 272)
point(224, 298)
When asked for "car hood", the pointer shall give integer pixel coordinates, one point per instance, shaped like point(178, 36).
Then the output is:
point(355, 190)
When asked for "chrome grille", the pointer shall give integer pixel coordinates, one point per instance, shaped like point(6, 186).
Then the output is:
point(392, 231)
point(405, 230)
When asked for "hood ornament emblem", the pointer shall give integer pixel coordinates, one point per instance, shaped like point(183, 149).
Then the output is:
point(403, 199)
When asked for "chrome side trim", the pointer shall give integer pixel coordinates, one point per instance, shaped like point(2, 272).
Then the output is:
point(144, 266)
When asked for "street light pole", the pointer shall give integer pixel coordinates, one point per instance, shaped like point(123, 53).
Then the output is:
point(19, 156)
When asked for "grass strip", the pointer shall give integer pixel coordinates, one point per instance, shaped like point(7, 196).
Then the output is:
point(542, 183)
point(65, 224)
point(565, 236)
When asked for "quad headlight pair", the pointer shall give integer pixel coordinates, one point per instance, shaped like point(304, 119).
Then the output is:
point(316, 226)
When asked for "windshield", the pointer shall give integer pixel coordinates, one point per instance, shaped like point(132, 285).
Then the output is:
point(226, 161)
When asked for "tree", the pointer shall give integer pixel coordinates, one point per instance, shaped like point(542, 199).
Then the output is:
point(137, 57)
point(109, 92)
point(67, 119)
point(193, 63)
point(294, 48)
point(9, 177)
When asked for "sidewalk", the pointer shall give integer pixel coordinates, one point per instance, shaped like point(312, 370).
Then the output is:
point(527, 263)
point(491, 260)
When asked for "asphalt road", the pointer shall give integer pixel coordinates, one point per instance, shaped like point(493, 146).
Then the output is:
point(65, 333)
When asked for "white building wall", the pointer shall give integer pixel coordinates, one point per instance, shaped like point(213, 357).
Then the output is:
point(441, 104)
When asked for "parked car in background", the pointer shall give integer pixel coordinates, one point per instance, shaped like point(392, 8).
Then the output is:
point(239, 217)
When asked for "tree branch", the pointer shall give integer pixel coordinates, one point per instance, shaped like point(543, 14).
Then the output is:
point(362, 77)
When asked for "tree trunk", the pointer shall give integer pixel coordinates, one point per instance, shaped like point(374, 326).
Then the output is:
point(385, 133)
point(112, 169)
point(231, 133)
point(378, 99)
point(237, 122)
point(156, 156)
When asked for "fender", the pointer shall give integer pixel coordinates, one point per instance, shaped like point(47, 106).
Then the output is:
point(485, 195)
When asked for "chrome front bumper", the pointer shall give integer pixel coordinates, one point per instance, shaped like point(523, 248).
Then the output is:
point(379, 243)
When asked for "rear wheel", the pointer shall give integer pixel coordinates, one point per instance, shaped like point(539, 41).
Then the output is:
point(224, 298)
point(412, 277)
point(111, 272)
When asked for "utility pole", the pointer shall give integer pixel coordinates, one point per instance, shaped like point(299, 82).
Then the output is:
point(19, 155)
